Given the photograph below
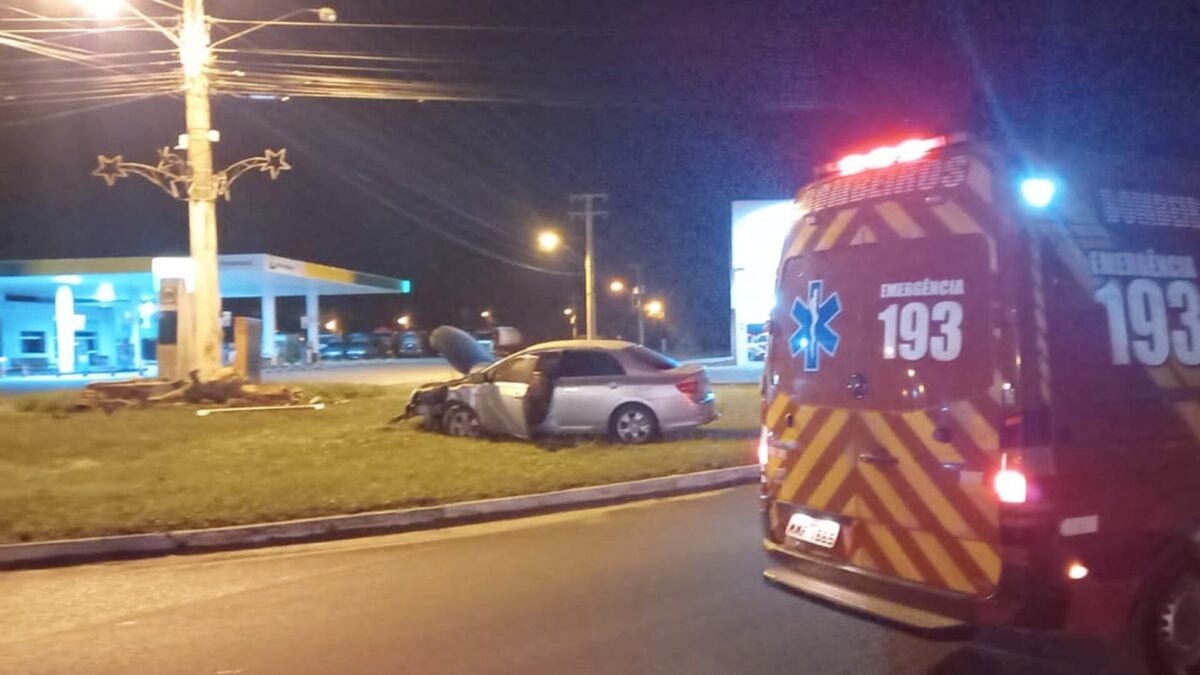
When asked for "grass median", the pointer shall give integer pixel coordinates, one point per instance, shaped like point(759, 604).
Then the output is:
point(84, 475)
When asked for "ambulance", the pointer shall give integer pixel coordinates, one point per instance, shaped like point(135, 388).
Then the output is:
point(982, 396)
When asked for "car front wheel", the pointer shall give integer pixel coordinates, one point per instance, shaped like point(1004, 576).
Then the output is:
point(633, 424)
point(461, 421)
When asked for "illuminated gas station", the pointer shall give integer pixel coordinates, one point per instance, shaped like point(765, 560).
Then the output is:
point(103, 313)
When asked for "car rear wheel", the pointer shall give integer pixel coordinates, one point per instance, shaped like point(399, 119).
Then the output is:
point(461, 421)
point(633, 424)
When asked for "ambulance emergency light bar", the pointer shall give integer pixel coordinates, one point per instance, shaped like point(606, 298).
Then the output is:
point(910, 150)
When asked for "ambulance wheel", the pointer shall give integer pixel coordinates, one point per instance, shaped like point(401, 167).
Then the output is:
point(633, 424)
point(1175, 625)
point(461, 421)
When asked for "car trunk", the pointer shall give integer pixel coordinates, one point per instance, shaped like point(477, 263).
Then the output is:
point(883, 392)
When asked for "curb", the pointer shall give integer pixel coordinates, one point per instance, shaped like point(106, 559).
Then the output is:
point(49, 553)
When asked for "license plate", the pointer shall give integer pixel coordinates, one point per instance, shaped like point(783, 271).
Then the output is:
point(817, 531)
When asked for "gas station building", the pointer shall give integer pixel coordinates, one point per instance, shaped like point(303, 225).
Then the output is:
point(759, 228)
point(102, 312)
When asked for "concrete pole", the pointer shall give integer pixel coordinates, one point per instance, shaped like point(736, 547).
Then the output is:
point(268, 328)
point(589, 274)
point(589, 214)
point(64, 328)
point(638, 292)
point(312, 310)
point(207, 336)
point(135, 331)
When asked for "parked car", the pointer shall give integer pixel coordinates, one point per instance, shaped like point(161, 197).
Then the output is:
point(626, 391)
point(757, 349)
point(409, 343)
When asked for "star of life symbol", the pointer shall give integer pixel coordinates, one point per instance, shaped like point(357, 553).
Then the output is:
point(813, 333)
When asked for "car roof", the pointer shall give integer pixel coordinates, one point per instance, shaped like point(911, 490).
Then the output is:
point(603, 345)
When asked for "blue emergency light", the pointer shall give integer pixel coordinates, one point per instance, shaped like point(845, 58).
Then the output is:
point(1038, 192)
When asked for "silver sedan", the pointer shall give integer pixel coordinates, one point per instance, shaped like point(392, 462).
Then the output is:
point(624, 390)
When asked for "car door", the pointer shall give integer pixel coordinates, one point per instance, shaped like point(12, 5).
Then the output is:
point(587, 390)
point(501, 401)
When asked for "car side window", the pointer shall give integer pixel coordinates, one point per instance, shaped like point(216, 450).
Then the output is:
point(548, 363)
point(589, 364)
point(517, 369)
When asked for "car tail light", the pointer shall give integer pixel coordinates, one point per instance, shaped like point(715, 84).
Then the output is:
point(1010, 484)
point(690, 388)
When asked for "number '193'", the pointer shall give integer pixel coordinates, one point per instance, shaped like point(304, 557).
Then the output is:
point(1139, 326)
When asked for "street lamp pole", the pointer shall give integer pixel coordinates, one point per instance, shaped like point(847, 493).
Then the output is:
point(589, 214)
point(202, 191)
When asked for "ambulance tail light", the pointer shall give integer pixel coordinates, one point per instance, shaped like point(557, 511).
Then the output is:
point(1010, 483)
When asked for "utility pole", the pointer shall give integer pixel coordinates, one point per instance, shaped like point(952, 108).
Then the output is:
point(589, 214)
point(202, 190)
point(638, 292)
point(202, 185)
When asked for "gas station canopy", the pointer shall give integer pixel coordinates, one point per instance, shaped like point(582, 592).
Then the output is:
point(252, 275)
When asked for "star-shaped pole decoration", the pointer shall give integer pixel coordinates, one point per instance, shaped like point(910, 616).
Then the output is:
point(275, 162)
point(110, 169)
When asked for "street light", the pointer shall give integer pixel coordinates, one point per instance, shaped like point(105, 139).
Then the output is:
point(549, 240)
point(101, 9)
point(485, 314)
point(655, 309)
point(331, 325)
point(636, 293)
point(404, 321)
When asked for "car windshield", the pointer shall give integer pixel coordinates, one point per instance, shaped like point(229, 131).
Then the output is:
point(649, 357)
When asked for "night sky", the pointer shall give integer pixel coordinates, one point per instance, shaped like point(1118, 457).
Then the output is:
point(675, 108)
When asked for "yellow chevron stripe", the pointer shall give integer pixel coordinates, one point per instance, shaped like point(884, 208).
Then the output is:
point(979, 179)
point(820, 444)
point(835, 229)
point(959, 221)
point(796, 246)
point(982, 432)
point(1164, 377)
point(923, 428)
point(985, 556)
point(895, 554)
point(778, 407)
point(934, 500)
point(878, 484)
point(833, 480)
point(1189, 374)
point(937, 556)
point(1190, 412)
point(955, 219)
point(863, 558)
point(865, 235)
point(897, 218)
point(800, 420)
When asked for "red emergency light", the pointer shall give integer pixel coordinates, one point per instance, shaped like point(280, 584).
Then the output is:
point(908, 151)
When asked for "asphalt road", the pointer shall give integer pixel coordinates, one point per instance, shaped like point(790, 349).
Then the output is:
point(667, 586)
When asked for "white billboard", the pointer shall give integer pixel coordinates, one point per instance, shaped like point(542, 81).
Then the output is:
point(758, 230)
